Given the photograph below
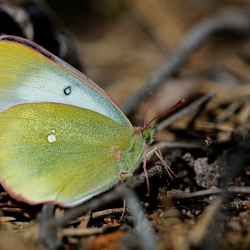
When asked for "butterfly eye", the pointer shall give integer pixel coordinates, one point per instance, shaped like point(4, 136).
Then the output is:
point(147, 134)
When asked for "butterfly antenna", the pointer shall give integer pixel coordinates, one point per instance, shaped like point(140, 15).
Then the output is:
point(146, 112)
point(166, 111)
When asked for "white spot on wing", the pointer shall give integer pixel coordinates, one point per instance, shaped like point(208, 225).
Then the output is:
point(52, 137)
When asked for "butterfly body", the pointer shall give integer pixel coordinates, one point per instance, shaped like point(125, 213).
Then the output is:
point(62, 138)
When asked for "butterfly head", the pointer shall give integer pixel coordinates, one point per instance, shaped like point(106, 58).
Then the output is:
point(148, 134)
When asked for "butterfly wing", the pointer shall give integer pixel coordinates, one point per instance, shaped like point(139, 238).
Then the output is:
point(59, 153)
point(29, 73)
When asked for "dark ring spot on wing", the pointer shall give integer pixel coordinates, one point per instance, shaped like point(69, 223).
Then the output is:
point(67, 91)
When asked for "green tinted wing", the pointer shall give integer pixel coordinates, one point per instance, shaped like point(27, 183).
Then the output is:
point(58, 153)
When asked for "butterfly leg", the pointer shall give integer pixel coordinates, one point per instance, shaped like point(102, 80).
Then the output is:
point(145, 158)
point(124, 200)
point(157, 151)
point(169, 170)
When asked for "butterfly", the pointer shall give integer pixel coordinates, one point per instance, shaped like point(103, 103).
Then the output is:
point(63, 139)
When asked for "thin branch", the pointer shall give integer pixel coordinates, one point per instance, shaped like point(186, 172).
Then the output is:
point(48, 239)
point(146, 236)
point(229, 190)
point(195, 104)
point(178, 144)
point(237, 22)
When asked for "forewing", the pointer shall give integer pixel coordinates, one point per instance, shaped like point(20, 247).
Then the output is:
point(29, 73)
